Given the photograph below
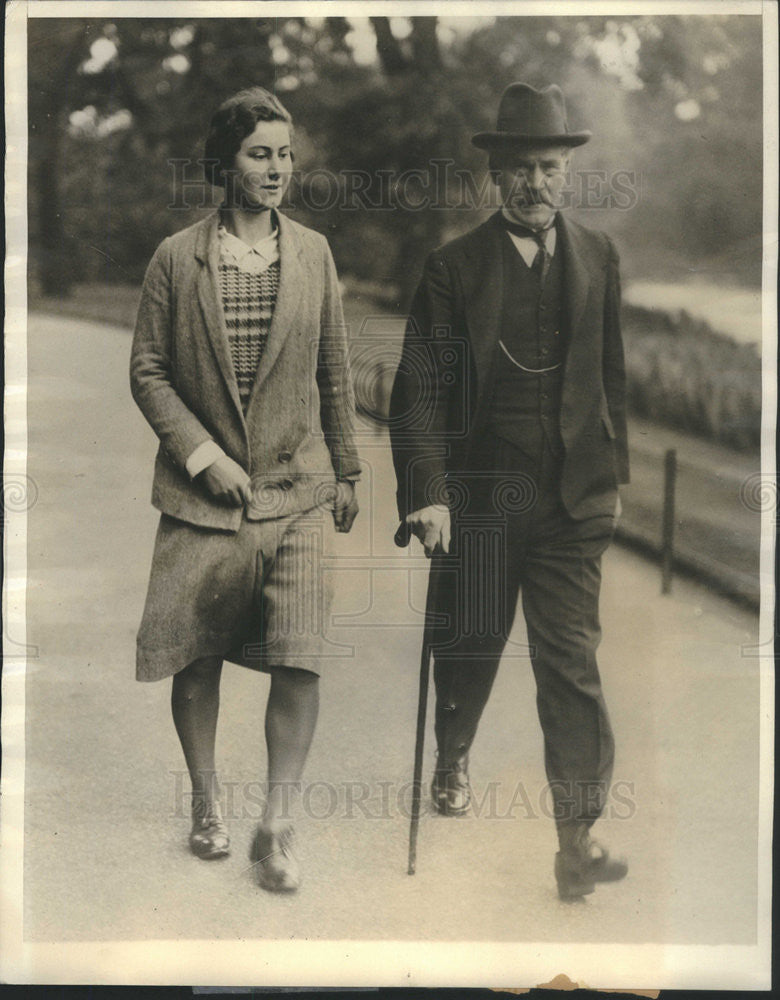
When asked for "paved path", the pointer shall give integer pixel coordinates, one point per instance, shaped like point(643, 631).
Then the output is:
point(106, 853)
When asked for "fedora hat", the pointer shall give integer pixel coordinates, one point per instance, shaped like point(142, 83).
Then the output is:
point(530, 116)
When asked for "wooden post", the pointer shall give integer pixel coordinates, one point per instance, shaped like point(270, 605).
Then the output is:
point(667, 543)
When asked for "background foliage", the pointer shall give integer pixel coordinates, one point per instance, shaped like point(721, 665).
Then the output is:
point(384, 109)
point(674, 100)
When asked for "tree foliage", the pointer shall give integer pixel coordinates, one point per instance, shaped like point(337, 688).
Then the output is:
point(115, 107)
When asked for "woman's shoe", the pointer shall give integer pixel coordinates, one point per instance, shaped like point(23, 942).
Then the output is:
point(209, 836)
point(274, 862)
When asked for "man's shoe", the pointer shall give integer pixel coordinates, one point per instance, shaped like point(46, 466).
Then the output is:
point(274, 862)
point(450, 788)
point(582, 862)
point(209, 836)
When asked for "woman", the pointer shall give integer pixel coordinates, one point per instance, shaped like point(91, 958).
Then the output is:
point(239, 364)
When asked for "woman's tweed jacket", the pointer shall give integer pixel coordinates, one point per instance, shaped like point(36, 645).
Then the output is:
point(297, 435)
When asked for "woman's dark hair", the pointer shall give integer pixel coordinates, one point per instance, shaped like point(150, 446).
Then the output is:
point(233, 121)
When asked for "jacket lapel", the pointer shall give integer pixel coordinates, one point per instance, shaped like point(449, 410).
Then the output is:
point(577, 278)
point(579, 261)
point(484, 298)
point(288, 298)
point(210, 298)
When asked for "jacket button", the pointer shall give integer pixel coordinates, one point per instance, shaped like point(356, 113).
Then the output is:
point(284, 456)
point(287, 484)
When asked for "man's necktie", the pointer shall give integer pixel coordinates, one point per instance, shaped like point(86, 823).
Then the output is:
point(541, 262)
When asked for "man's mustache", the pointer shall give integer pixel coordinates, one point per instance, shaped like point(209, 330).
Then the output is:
point(525, 196)
point(530, 200)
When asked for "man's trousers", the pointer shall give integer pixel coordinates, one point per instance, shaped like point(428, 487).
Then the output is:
point(511, 536)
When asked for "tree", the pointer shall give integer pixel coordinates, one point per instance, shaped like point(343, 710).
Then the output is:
point(383, 149)
point(56, 50)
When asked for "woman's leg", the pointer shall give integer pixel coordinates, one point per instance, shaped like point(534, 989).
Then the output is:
point(195, 707)
point(290, 720)
point(295, 591)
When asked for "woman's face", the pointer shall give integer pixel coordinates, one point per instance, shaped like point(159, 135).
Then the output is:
point(263, 167)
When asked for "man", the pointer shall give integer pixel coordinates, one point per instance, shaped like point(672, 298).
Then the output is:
point(509, 441)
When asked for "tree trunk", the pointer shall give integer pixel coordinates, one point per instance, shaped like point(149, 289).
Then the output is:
point(388, 47)
point(56, 272)
point(425, 45)
point(58, 48)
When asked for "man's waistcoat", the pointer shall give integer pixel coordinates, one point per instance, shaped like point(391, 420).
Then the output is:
point(526, 398)
point(445, 385)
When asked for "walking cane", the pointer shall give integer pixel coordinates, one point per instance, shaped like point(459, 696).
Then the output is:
point(402, 538)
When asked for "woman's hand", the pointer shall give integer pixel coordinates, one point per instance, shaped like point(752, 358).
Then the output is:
point(227, 481)
point(345, 506)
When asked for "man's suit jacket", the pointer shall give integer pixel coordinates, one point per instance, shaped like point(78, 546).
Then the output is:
point(296, 437)
point(443, 386)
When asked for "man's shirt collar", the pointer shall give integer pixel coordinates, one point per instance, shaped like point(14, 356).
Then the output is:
point(527, 246)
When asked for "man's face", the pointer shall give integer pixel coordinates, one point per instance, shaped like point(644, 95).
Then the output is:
point(530, 180)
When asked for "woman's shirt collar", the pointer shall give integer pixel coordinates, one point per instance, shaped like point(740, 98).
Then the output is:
point(252, 259)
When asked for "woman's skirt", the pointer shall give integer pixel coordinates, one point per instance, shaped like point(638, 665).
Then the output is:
point(260, 597)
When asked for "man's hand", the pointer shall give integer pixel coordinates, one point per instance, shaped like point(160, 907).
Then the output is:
point(226, 481)
point(345, 506)
point(432, 526)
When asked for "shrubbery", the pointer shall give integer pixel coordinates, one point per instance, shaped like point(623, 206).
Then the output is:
point(683, 374)
point(680, 372)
